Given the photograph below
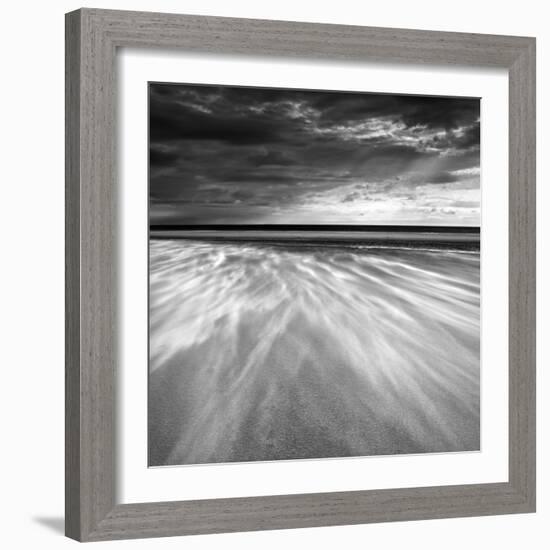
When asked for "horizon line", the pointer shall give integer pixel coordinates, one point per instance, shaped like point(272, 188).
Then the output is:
point(314, 227)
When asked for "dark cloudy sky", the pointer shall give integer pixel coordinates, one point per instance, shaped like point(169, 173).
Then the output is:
point(230, 155)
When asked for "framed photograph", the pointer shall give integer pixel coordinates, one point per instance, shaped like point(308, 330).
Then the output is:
point(300, 275)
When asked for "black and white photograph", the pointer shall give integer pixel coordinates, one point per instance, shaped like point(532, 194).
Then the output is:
point(270, 275)
point(314, 274)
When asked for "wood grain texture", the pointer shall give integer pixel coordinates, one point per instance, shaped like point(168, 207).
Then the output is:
point(72, 278)
point(522, 272)
point(91, 338)
point(92, 37)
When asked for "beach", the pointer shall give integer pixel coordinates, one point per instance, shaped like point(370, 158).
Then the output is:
point(309, 347)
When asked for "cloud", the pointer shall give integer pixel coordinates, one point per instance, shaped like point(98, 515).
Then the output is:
point(259, 155)
point(158, 157)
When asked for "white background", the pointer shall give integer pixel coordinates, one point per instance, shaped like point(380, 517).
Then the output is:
point(136, 482)
point(32, 271)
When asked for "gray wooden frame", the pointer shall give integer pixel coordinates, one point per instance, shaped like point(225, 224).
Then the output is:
point(92, 38)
